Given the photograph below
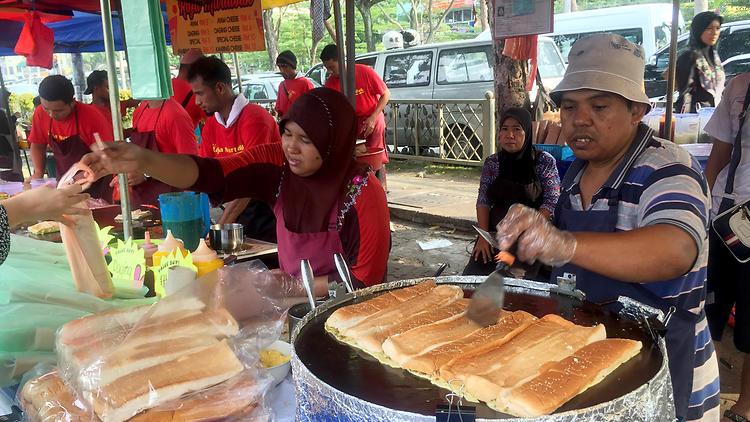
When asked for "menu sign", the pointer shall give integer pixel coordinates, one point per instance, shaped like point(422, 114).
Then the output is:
point(216, 26)
point(513, 18)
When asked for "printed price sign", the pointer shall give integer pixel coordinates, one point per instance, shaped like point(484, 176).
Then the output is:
point(215, 26)
point(128, 263)
point(174, 259)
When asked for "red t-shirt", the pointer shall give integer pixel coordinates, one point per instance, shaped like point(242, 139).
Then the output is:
point(173, 126)
point(254, 126)
point(290, 90)
point(368, 89)
point(89, 121)
point(180, 91)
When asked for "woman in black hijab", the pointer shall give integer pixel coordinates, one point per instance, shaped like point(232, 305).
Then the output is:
point(700, 75)
point(517, 173)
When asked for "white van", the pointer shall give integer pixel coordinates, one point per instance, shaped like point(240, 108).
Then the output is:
point(646, 24)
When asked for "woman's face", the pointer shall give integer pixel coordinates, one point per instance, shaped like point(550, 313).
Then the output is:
point(302, 155)
point(512, 135)
point(711, 34)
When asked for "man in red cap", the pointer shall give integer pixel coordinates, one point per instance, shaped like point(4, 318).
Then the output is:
point(293, 85)
point(181, 91)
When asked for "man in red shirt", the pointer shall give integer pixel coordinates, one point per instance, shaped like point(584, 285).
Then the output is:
point(164, 126)
point(234, 126)
point(181, 91)
point(98, 88)
point(293, 85)
point(371, 97)
point(68, 127)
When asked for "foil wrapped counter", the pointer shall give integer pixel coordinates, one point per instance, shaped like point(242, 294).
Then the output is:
point(317, 400)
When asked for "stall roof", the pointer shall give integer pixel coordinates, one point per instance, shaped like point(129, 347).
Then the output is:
point(53, 6)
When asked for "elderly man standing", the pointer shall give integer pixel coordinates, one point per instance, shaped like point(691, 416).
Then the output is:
point(632, 214)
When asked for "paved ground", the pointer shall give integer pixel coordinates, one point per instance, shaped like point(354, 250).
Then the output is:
point(432, 202)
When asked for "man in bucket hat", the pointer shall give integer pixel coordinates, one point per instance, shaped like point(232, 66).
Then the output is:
point(632, 215)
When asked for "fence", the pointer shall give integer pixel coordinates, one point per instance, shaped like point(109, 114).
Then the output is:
point(447, 131)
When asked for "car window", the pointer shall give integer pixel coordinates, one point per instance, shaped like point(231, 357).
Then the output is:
point(408, 69)
point(732, 44)
point(548, 61)
point(662, 58)
point(565, 41)
point(367, 61)
point(318, 74)
point(255, 92)
point(460, 65)
point(662, 34)
point(737, 67)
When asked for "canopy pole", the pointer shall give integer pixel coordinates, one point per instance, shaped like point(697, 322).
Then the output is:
point(114, 105)
point(340, 45)
point(350, 53)
point(671, 70)
point(237, 71)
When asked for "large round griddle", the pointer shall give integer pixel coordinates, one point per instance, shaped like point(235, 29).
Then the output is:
point(352, 371)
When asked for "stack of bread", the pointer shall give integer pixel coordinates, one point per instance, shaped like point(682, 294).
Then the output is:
point(161, 359)
point(522, 365)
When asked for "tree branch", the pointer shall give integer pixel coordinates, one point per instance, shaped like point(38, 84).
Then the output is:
point(390, 19)
point(439, 22)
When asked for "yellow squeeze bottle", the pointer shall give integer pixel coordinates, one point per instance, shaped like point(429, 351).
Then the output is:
point(206, 259)
point(167, 246)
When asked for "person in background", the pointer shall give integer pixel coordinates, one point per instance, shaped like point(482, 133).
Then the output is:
point(293, 85)
point(67, 127)
point(42, 203)
point(728, 279)
point(234, 126)
point(98, 87)
point(632, 215)
point(181, 91)
point(158, 125)
point(699, 73)
point(371, 97)
point(325, 202)
point(517, 173)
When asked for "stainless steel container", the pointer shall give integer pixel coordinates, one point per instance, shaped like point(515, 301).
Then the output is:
point(336, 380)
point(226, 237)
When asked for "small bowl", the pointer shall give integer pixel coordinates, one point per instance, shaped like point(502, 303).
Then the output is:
point(279, 372)
point(226, 237)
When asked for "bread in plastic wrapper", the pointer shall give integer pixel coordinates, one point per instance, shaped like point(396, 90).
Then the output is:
point(46, 398)
point(120, 363)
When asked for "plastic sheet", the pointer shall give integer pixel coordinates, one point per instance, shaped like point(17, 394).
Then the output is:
point(121, 363)
point(317, 400)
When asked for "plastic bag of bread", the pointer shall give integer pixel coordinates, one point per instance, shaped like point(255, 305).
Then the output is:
point(121, 363)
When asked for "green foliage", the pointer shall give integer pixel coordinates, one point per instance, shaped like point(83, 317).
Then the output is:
point(23, 104)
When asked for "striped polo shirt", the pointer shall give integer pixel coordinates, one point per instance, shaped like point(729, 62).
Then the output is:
point(661, 183)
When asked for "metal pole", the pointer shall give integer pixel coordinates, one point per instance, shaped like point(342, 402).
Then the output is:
point(114, 106)
point(340, 45)
point(671, 70)
point(237, 71)
point(350, 54)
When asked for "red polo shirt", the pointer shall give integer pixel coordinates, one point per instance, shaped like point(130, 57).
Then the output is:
point(172, 125)
point(89, 121)
point(254, 126)
point(182, 93)
point(368, 89)
point(290, 90)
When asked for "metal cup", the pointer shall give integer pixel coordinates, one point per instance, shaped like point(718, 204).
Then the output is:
point(226, 237)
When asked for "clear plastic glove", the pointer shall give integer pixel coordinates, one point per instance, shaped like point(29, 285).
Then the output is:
point(537, 238)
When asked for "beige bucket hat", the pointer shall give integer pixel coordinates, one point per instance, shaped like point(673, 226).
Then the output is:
point(605, 62)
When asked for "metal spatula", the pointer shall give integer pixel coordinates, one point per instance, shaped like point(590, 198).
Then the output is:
point(489, 297)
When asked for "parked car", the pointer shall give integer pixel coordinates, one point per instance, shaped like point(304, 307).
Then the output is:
point(261, 86)
point(734, 40)
point(460, 70)
point(648, 25)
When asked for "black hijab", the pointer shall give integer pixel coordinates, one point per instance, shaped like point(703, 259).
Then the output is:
point(518, 166)
point(700, 22)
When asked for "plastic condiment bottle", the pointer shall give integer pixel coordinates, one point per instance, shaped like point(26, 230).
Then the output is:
point(149, 250)
point(167, 246)
point(206, 259)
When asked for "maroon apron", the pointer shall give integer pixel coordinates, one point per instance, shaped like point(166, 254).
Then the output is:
point(69, 151)
point(317, 247)
point(147, 193)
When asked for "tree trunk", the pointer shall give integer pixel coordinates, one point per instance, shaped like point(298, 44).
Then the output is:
point(272, 39)
point(364, 10)
point(483, 16)
point(79, 79)
point(314, 52)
